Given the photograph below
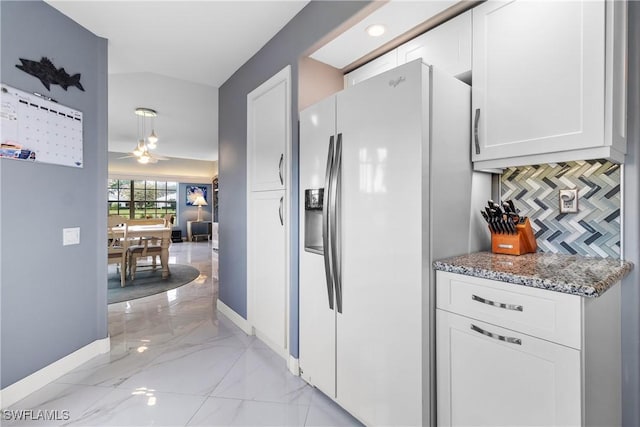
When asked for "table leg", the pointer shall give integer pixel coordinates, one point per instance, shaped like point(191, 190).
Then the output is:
point(164, 258)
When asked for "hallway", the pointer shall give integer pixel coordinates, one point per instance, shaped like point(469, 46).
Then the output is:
point(176, 361)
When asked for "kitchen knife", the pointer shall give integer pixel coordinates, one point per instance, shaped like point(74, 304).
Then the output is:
point(486, 218)
point(506, 208)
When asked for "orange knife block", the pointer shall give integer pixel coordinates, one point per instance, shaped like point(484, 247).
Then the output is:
point(515, 244)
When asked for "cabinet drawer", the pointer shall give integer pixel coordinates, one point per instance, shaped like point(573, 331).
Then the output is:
point(549, 315)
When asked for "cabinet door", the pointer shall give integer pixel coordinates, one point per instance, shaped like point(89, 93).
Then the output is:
point(538, 77)
point(268, 133)
point(373, 68)
point(484, 380)
point(266, 267)
point(447, 46)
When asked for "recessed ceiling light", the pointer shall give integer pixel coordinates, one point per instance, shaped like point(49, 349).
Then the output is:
point(376, 30)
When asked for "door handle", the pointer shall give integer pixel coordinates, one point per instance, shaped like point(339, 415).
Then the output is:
point(326, 225)
point(280, 210)
point(510, 340)
point(514, 307)
point(475, 131)
point(336, 251)
point(280, 169)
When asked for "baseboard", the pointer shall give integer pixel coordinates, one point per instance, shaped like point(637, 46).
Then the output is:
point(282, 352)
point(294, 365)
point(24, 387)
point(239, 321)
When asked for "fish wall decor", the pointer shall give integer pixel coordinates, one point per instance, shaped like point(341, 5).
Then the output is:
point(48, 74)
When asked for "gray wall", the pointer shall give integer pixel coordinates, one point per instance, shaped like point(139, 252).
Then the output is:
point(630, 286)
point(53, 298)
point(310, 25)
point(190, 213)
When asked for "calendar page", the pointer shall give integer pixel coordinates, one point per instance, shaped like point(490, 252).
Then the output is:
point(35, 129)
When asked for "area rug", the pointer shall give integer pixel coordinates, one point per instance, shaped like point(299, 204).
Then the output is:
point(148, 282)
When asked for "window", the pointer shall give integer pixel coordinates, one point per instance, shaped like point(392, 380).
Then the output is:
point(142, 199)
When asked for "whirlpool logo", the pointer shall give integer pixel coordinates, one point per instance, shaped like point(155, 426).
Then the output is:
point(396, 82)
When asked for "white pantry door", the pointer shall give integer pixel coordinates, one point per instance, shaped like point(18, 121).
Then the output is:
point(266, 267)
point(268, 198)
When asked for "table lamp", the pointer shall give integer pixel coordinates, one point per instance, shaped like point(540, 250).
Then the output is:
point(200, 202)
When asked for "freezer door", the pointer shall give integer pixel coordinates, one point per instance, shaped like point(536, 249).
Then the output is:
point(317, 317)
point(379, 330)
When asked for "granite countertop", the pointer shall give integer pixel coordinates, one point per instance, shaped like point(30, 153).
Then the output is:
point(571, 274)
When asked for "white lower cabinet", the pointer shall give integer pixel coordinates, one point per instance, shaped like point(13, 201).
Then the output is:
point(522, 381)
point(491, 373)
point(266, 269)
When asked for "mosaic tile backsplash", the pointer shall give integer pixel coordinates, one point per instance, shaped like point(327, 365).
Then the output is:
point(594, 230)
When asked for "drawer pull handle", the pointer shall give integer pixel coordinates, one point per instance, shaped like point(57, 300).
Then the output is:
point(475, 131)
point(513, 307)
point(510, 340)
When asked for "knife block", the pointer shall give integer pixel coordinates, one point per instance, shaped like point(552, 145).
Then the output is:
point(523, 242)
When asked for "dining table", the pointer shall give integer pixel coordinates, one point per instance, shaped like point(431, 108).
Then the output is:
point(154, 231)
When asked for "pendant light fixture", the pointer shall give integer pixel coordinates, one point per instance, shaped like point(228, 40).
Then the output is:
point(145, 143)
point(152, 139)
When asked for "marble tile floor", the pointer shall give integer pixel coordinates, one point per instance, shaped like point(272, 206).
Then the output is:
point(176, 361)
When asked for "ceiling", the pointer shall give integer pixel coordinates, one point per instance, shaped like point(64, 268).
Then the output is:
point(398, 17)
point(172, 56)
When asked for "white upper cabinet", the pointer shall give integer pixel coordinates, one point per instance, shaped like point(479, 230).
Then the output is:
point(448, 47)
point(548, 82)
point(268, 130)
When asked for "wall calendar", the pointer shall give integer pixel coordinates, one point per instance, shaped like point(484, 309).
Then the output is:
point(37, 129)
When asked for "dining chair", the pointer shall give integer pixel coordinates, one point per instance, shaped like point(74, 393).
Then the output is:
point(117, 244)
point(143, 248)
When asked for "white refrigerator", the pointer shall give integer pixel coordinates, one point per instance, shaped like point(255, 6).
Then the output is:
point(386, 187)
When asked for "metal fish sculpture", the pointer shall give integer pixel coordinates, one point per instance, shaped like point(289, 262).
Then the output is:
point(47, 73)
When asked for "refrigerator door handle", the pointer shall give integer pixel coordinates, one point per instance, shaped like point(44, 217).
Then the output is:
point(326, 238)
point(336, 247)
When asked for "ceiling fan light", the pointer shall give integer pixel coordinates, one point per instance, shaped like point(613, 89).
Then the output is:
point(153, 138)
point(145, 143)
point(140, 149)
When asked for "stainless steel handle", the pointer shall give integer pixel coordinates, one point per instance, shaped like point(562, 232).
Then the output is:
point(510, 340)
point(335, 224)
point(475, 131)
point(280, 169)
point(326, 242)
point(280, 210)
point(514, 307)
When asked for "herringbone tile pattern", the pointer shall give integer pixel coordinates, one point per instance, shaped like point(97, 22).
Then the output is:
point(594, 230)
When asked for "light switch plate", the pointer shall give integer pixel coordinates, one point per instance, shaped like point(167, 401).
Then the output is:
point(568, 199)
point(70, 236)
